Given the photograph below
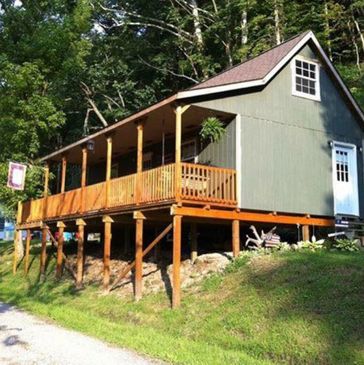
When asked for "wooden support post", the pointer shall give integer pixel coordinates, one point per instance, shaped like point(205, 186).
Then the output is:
point(139, 222)
point(83, 177)
point(63, 176)
point(43, 252)
point(80, 245)
point(139, 183)
point(108, 167)
point(45, 192)
point(61, 226)
point(46, 180)
point(107, 250)
point(27, 250)
point(236, 237)
point(177, 232)
point(178, 141)
point(193, 242)
point(305, 232)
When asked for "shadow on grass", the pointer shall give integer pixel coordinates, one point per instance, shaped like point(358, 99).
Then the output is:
point(318, 292)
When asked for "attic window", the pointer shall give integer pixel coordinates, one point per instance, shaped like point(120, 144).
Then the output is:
point(305, 79)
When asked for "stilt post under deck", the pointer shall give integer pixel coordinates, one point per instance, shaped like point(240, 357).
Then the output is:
point(60, 240)
point(236, 237)
point(27, 250)
point(107, 250)
point(43, 252)
point(305, 232)
point(177, 230)
point(138, 275)
point(80, 247)
point(193, 242)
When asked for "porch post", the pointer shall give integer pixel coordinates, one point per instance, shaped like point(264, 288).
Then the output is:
point(63, 176)
point(107, 249)
point(138, 275)
point(80, 245)
point(108, 167)
point(45, 192)
point(176, 293)
point(61, 226)
point(27, 250)
point(236, 237)
point(46, 180)
point(178, 172)
point(83, 176)
point(140, 130)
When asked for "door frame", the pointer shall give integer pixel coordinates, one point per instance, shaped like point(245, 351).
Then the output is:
point(355, 174)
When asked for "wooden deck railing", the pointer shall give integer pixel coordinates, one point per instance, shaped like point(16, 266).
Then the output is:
point(199, 183)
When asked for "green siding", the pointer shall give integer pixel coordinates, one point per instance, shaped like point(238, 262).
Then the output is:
point(222, 153)
point(286, 160)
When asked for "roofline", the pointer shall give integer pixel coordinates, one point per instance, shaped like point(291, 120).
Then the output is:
point(246, 84)
point(110, 128)
point(261, 82)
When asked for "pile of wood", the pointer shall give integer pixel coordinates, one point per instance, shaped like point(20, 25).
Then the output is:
point(268, 240)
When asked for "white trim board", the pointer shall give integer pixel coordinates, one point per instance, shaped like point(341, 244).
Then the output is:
point(238, 158)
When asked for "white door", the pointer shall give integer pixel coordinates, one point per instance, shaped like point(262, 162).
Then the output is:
point(345, 178)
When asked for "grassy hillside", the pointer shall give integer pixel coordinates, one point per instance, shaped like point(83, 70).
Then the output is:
point(286, 308)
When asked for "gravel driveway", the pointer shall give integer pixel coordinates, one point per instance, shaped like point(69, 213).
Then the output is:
point(27, 340)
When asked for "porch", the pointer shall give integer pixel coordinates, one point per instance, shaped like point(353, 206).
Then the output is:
point(199, 185)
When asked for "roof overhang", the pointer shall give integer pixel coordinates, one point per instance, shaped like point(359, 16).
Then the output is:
point(188, 94)
point(132, 118)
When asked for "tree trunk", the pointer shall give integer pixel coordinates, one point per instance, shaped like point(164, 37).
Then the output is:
point(197, 23)
point(244, 28)
point(277, 23)
point(355, 45)
point(327, 30)
point(357, 27)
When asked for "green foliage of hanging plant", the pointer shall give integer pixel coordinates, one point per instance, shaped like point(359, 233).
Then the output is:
point(212, 129)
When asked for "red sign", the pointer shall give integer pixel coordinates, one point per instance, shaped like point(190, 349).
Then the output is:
point(16, 176)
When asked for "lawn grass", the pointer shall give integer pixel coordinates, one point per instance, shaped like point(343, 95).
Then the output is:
point(286, 308)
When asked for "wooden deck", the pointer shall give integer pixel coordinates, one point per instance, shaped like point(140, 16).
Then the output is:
point(198, 184)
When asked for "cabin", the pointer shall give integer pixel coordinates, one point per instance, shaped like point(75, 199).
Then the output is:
point(291, 154)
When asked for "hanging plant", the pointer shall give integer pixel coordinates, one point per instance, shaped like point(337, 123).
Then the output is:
point(212, 130)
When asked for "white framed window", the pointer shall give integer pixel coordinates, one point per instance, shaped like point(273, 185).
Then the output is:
point(189, 151)
point(305, 79)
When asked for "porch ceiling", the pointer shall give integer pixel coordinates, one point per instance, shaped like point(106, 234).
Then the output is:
point(157, 121)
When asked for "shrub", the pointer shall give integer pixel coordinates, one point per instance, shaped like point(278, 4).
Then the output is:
point(345, 244)
point(311, 245)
